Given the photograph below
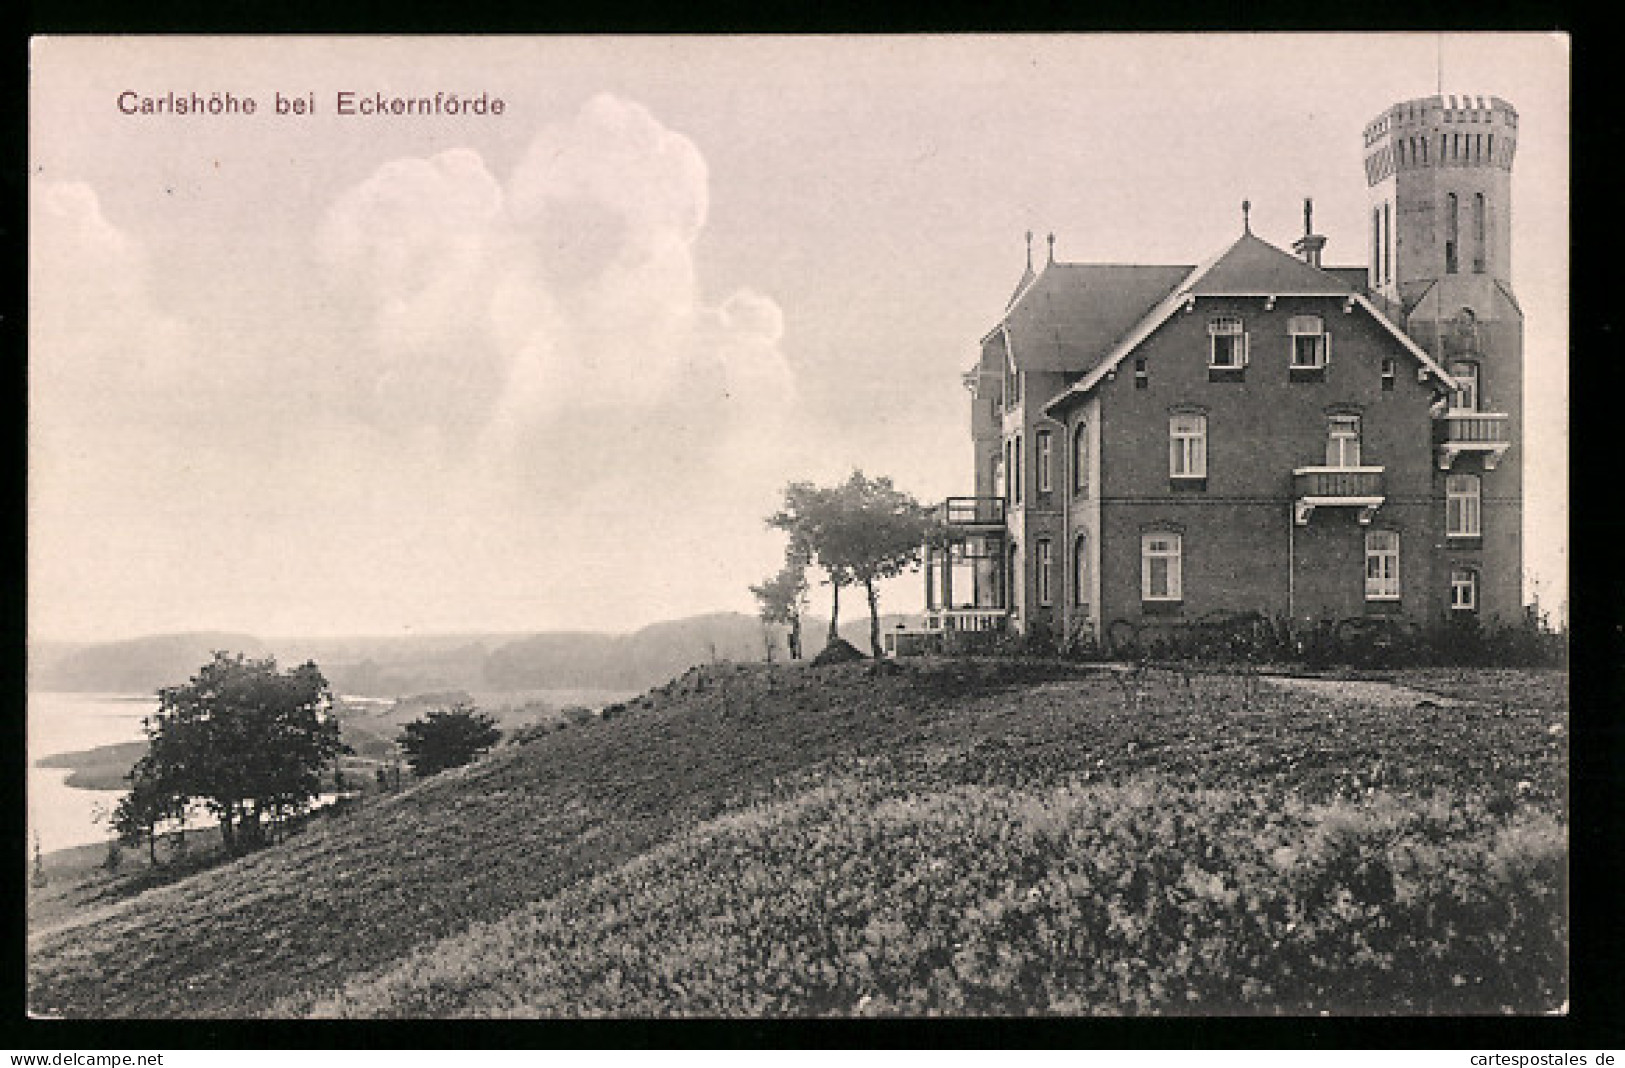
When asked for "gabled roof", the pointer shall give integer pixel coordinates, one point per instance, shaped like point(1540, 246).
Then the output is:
point(1067, 317)
point(1249, 267)
point(1252, 265)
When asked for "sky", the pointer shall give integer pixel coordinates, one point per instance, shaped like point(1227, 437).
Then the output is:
point(325, 374)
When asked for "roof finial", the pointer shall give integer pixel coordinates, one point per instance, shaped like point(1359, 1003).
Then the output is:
point(1246, 224)
point(1308, 216)
point(1052, 246)
point(1029, 250)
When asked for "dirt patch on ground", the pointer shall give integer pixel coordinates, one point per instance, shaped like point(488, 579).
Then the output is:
point(1363, 691)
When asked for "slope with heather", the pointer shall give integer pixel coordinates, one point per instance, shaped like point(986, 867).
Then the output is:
point(335, 918)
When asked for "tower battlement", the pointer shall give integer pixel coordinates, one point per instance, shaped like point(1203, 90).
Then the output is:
point(1441, 131)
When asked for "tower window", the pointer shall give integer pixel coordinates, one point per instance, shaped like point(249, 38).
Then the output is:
point(1387, 244)
point(1381, 565)
point(1462, 514)
point(1478, 233)
point(1228, 342)
point(1376, 246)
point(1311, 345)
point(1450, 234)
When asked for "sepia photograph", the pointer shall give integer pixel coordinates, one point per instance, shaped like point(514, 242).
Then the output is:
point(784, 527)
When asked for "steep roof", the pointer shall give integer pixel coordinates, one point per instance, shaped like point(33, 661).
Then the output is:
point(1253, 265)
point(1249, 267)
point(1067, 317)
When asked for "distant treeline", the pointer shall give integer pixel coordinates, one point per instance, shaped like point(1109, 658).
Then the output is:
point(389, 667)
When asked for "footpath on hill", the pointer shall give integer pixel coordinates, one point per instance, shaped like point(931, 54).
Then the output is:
point(354, 893)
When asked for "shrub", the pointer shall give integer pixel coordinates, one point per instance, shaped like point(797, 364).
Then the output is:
point(448, 738)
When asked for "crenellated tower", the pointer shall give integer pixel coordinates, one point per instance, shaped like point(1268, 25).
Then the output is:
point(1439, 173)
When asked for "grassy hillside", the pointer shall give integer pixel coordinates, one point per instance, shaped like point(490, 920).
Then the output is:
point(848, 797)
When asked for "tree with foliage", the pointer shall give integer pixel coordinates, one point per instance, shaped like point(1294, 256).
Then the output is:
point(447, 738)
point(808, 513)
point(860, 532)
point(137, 815)
point(883, 531)
point(782, 599)
point(242, 737)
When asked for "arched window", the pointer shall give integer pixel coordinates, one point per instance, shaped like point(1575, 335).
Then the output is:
point(1450, 236)
point(1080, 460)
point(1080, 571)
point(1478, 233)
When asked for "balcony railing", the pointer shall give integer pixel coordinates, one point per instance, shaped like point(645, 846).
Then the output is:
point(1485, 433)
point(968, 620)
point(973, 511)
point(1334, 487)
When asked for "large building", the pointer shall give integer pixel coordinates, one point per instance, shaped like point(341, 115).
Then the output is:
point(1261, 432)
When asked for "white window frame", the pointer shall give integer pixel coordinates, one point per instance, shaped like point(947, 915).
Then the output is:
point(1045, 565)
point(1382, 565)
point(1464, 397)
point(1463, 506)
point(1046, 453)
point(1339, 454)
point(1227, 326)
point(1167, 547)
point(1463, 589)
point(1187, 445)
point(1312, 327)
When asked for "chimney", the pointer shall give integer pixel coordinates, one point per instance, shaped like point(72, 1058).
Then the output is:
point(1309, 245)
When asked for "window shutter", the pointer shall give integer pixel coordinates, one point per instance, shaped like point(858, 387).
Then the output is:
point(1245, 345)
point(1326, 349)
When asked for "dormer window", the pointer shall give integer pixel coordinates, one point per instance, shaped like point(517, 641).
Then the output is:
point(1228, 343)
point(1311, 344)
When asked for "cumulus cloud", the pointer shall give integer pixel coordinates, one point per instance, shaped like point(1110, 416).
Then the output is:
point(498, 396)
point(557, 311)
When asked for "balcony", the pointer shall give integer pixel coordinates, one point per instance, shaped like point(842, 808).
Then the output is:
point(1337, 487)
point(973, 512)
point(1485, 433)
point(968, 620)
